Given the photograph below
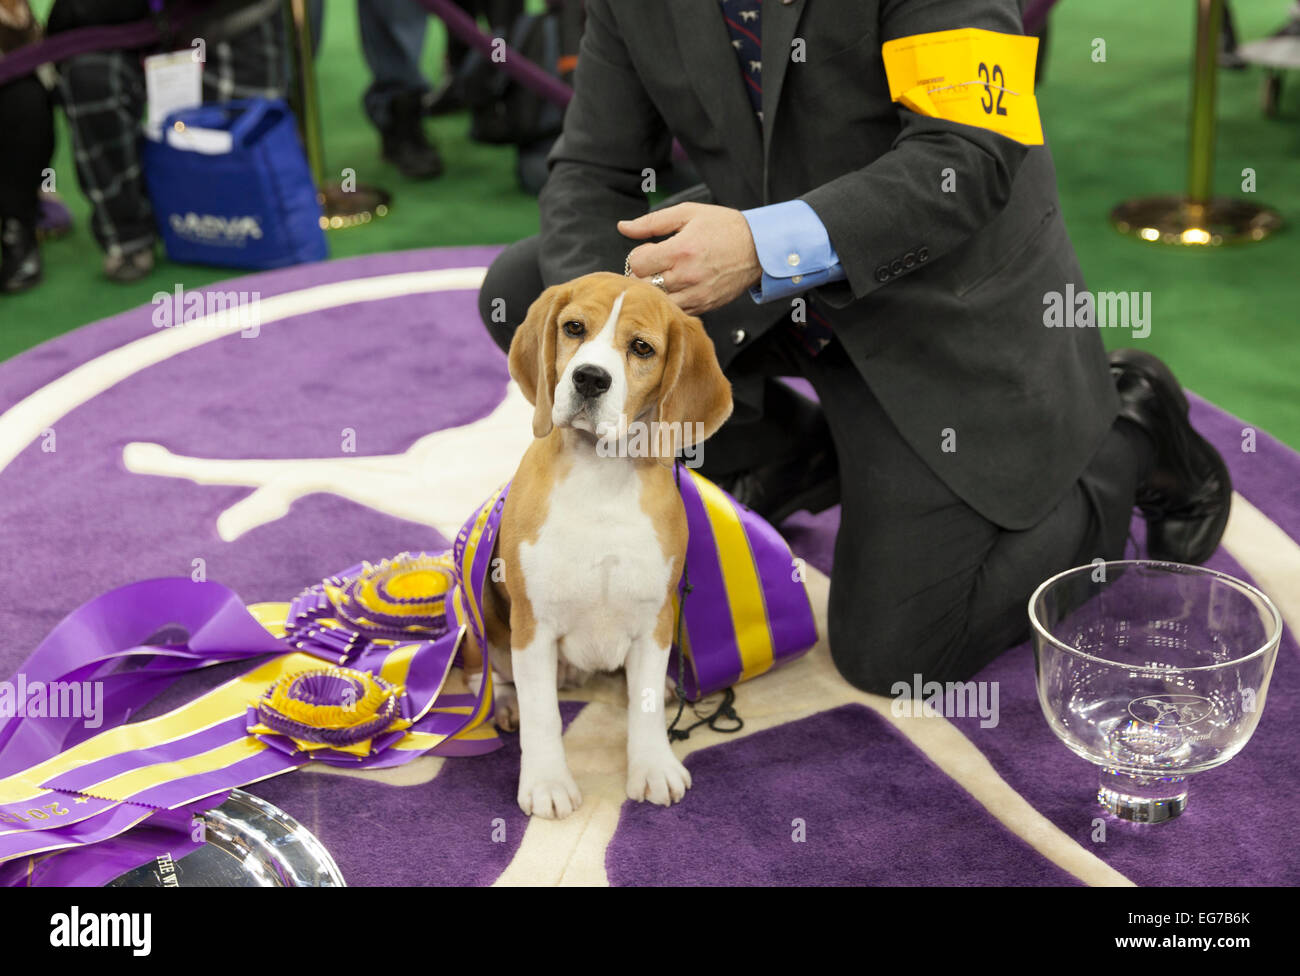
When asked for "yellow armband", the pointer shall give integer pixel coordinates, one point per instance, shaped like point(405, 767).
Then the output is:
point(976, 77)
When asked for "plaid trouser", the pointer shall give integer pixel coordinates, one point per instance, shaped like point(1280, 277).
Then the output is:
point(103, 96)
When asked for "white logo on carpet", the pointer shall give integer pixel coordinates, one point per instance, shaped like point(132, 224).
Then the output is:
point(437, 481)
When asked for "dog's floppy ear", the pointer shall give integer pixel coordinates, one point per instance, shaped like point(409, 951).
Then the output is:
point(532, 355)
point(693, 390)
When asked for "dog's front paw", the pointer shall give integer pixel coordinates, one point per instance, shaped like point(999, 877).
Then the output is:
point(662, 781)
point(505, 706)
point(551, 797)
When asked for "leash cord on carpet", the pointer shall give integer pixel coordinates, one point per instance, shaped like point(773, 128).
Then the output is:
point(726, 707)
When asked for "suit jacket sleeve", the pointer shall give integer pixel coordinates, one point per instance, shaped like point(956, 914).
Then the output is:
point(612, 132)
point(895, 204)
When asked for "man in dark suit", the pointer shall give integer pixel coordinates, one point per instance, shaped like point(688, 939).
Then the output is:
point(901, 263)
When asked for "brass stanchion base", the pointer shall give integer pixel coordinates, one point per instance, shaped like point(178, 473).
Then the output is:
point(1183, 222)
point(350, 208)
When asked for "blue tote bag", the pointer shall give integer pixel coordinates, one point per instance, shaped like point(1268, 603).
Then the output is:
point(230, 186)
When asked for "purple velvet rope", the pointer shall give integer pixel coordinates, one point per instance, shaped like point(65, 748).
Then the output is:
point(83, 40)
point(515, 64)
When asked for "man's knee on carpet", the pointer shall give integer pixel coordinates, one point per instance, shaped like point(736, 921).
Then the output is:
point(877, 646)
point(511, 284)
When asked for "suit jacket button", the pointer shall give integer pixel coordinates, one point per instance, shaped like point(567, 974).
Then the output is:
point(923, 254)
point(909, 259)
point(896, 266)
point(738, 336)
point(882, 273)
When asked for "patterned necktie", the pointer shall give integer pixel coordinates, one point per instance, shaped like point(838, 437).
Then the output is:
point(745, 27)
point(815, 333)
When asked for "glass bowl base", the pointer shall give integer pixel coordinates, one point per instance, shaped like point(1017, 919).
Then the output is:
point(1142, 799)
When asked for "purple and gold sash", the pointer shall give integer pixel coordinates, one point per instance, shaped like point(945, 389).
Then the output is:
point(354, 671)
point(748, 609)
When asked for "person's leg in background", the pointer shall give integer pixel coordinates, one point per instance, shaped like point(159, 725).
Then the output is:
point(103, 98)
point(392, 39)
point(250, 64)
point(451, 94)
point(1228, 56)
point(28, 118)
point(922, 583)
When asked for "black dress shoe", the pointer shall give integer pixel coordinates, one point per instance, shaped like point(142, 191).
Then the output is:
point(20, 257)
point(447, 98)
point(776, 491)
point(1186, 497)
point(404, 143)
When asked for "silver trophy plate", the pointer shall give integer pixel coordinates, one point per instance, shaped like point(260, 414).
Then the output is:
point(249, 844)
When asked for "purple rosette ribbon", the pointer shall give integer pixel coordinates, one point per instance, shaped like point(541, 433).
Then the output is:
point(341, 709)
point(398, 599)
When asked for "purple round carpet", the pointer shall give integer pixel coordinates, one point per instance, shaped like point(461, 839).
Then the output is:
point(829, 794)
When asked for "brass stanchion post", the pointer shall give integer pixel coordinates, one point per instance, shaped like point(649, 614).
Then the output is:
point(1199, 218)
point(341, 206)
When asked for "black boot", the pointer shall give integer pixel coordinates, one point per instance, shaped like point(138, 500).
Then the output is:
point(807, 479)
point(20, 257)
point(810, 483)
point(1186, 496)
point(404, 143)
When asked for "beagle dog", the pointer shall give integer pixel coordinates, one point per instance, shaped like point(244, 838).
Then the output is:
point(593, 534)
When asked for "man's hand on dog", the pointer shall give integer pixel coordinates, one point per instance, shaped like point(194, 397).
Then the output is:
point(708, 260)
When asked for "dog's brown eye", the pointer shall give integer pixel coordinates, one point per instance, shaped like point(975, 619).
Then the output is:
point(641, 348)
point(575, 329)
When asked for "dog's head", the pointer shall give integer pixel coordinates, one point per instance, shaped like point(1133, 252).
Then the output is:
point(604, 351)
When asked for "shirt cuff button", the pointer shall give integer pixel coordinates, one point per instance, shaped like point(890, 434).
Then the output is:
point(793, 260)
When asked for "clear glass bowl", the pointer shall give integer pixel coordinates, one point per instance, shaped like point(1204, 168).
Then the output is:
point(1152, 671)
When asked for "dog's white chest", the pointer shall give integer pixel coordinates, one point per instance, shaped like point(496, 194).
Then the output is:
point(597, 575)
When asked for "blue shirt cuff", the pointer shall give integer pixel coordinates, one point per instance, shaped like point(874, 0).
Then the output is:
point(793, 248)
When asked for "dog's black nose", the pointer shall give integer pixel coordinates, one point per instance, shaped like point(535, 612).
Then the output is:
point(590, 381)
